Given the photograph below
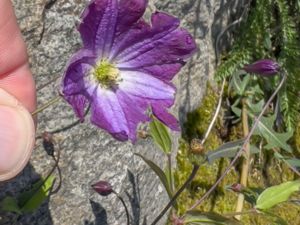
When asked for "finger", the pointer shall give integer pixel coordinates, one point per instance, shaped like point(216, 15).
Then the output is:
point(17, 96)
point(15, 75)
point(16, 136)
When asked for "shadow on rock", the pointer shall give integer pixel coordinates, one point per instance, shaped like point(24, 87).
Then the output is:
point(100, 214)
point(134, 198)
point(21, 183)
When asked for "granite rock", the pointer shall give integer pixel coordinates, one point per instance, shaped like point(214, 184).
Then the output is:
point(87, 153)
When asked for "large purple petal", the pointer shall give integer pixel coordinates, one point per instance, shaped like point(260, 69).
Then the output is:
point(103, 20)
point(139, 38)
point(108, 114)
point(73, 85)
point(167, 54)
point(146, 86)
point(78, 103)
point(98, 25)
point(135, 112)
point(130, 11)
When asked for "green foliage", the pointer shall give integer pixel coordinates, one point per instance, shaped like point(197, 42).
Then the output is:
point(276, 194)
point(228, 150)
point(207, 218)
point(159, 172)
point(29, 201)
point(270, 31)
point(273, 138)
point(161, 135)
point(10, 204)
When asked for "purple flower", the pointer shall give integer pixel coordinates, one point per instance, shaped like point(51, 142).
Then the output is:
point(103, 188)
point(264, 67)
point(126, 66)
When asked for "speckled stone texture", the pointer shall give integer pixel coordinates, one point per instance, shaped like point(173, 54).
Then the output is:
point(89, 154)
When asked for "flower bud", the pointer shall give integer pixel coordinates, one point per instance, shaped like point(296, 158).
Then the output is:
point(264, 67)
point(237, 188)
point(196, 147)
point(103, 188)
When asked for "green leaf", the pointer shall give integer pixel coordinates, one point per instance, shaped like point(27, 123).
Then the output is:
point(256, 108)
point(207, 218)
point(161, 135)
point(293, 162)
point(159, 172)
point(276, 194)
point(239, 84)
point(274, 139)
point(30, 200)
point(228, 150)
point(10, 204)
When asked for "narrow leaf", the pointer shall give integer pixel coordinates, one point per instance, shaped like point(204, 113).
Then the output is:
point(276, 194)
point(273, 138)
point(159, 172)
point(10, 204)
point(30, 200)
point(161, 135)
point(228, 150)
point(293, 162)
point(207, 218)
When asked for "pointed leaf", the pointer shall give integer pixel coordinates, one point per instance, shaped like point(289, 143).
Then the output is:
point(276, 194)
point(161, 136)
point(256, 108)
point(228, 150)
point(30, 200)
point(10, 204)
point(158, 171)
point(207, 218)
point(273, 138)
point(293, 162)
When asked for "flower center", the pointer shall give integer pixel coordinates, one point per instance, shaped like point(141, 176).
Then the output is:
point(106, 73)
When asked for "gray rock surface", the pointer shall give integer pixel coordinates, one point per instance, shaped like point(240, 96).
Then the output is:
point(87, 153)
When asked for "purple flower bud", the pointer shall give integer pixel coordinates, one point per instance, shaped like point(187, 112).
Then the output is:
point(237, 187)
point(264, 67)
point(102, 188)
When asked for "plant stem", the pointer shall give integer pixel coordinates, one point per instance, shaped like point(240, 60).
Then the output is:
point(51, 102)
point(215, 115)
point(181, 189)
point(240, 213)
point(123, 203)
point(170, 172)
point(240, 152)
point(246, 160)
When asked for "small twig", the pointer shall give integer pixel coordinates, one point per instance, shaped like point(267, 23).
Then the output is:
point(215, 115)
point(246, 160)
point(181, 189)
point(123, 203)
point(46, 84)
point(240, 152)
point(51, 102)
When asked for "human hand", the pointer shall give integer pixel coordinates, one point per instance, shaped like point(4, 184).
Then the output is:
point(17, 97)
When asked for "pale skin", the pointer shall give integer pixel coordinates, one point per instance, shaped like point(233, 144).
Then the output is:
point(17, 97)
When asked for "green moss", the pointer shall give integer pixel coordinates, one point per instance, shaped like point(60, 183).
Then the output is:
point(262, 174)
point(198, 120)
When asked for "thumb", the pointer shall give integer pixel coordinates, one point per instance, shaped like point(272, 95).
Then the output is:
point(17, 136)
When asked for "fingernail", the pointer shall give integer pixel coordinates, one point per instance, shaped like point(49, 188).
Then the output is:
point(16, 136)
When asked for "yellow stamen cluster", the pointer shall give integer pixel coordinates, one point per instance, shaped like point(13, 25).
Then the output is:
point(106, 73)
